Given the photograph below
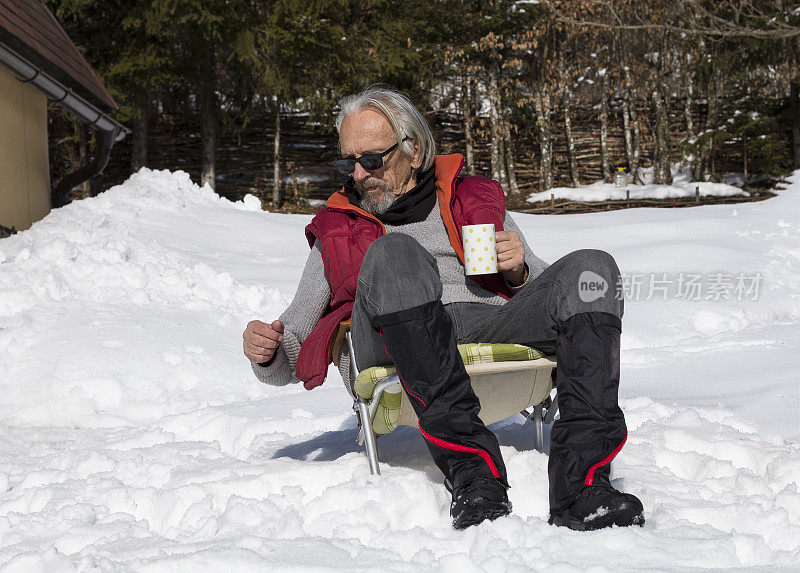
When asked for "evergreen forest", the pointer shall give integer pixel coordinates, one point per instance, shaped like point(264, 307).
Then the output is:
point(242, 94)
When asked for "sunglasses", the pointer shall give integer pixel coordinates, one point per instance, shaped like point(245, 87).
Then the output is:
point(369, 161)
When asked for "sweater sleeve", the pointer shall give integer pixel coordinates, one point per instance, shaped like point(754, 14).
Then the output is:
point(535, 264)
point(307, 307)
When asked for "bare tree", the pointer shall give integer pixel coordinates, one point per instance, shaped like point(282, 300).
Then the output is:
point(795, 105)
point(276, 159)
point(604, 159)
point(688, 101)
point(630, 120)
point(566, 104)
point(541, 101)
point(209, 129)
point(141, 123)
point(713, 89)
point(508, 143)
point(497, 127)
point(721, 18)
point(83, 156)
point(466, 121)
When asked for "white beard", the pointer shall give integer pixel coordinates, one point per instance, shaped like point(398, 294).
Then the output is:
point(377, 205)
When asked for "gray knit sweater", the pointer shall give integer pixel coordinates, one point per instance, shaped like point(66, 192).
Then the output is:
point(313, 293)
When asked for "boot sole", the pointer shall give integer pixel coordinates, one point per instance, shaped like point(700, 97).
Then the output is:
point(625, 515)
point(490, 515)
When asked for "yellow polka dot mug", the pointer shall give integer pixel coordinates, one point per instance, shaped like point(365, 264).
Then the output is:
point(480, 253)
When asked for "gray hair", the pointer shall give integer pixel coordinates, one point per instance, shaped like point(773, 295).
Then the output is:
point(402, 115)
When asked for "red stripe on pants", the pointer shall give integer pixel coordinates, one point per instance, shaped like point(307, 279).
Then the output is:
point(590, 475)
point(450, 446)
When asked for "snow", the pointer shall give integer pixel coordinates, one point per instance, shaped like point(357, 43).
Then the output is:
point(682, 186)
point(305, 178)
point(133, 435)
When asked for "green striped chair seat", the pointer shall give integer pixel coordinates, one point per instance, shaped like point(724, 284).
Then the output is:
point(507, 379)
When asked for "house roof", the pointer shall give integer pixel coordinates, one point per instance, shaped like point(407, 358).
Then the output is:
point(30, 29)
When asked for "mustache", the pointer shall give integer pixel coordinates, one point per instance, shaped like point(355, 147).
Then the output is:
point(362, 186)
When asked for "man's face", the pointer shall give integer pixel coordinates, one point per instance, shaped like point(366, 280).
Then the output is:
point(367, 131)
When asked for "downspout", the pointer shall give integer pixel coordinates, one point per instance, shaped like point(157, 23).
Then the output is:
point(108, 131)
point(104, 141)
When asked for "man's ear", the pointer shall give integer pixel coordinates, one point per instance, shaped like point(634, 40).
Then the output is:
point(416, 159)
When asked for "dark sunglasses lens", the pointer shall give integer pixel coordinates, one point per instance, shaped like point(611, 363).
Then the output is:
point(371, 161)
point(346, 166)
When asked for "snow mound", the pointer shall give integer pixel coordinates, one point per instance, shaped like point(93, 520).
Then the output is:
point(73, 281)
point(682, 186)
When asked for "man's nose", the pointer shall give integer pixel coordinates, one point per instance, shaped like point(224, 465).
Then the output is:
point(360, 173)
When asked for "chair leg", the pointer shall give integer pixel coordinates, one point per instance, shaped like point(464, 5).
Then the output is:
point(538, 428)
point(369, 437)
point(542, 414)
point(552, 410)
point(365, 435)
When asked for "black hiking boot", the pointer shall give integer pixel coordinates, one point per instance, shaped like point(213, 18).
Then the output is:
point(480, 499)
point(599, 506)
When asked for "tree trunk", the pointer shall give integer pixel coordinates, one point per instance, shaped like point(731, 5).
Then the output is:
point(139, 139)
point(630, 118)
point(295, 186)
point(744, 158)
point(83, 158)
point(605, 161)
point(795, 105)
point(276, 159)
point(636, 174)
point(573, 162)
point(466, 122)
point(627, 129)
point(662, 173)
point(704, 165)
point(497, 160)
point(503, 172)
point(208, 111)
point(508, 143)
point(666, 138)
point(542, 106)
point(687, 115)
point(495, 124)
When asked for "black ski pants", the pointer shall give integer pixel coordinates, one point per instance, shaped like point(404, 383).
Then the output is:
point(570, 309)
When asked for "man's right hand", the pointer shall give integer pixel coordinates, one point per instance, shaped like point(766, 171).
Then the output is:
point(262, 339)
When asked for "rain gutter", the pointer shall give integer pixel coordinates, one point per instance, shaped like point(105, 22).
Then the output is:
point(108, 131)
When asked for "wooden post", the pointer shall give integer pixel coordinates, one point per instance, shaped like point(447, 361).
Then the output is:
point(697, 194)
point(627, 195)
point(552, 200)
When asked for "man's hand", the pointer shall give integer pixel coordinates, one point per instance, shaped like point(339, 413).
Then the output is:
point(262, 339)
point(511, 257)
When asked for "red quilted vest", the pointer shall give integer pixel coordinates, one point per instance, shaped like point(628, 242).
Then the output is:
point(345, 232)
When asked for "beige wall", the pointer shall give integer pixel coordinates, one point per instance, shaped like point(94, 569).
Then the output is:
point(24, 165)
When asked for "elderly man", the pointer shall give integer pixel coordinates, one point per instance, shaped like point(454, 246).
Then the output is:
point(385, 251)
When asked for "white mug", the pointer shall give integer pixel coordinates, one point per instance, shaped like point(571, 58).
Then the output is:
point(480, 251)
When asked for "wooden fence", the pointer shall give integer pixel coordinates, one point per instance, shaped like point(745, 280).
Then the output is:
point(245, 154)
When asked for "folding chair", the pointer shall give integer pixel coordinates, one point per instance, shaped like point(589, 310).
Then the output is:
point(508, 379)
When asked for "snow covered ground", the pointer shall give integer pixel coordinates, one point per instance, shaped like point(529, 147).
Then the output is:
point(682, 186)
point(133, 435)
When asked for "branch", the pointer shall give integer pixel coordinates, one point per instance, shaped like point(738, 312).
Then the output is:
point(731, 30)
